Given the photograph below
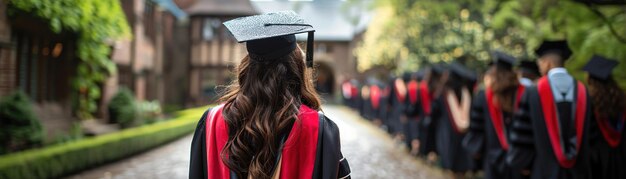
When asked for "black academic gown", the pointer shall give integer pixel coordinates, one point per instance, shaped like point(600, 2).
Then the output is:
point(424, 129)
point(448, 142)
point(377, 103)
point(346, 96)
point(482, 140)
point(355, 99)
point(329, 162)
point(608, 160)
point(366, 105)
point(396, 105)
point(531, 147)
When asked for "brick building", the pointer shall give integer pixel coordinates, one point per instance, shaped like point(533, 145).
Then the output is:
point(213, 52)
point(42, 63)
point(143, 61)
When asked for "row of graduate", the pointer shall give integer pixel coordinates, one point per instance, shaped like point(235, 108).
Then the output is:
point(530, 121)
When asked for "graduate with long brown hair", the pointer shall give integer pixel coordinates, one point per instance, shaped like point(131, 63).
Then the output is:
point(608, 145)
point(451, 113)
point(421, 95)
point(270, 124)
point(491, 118)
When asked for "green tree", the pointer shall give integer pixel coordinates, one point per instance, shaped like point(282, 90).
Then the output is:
point(589, 29)
point(430, 31)
point(406, 34)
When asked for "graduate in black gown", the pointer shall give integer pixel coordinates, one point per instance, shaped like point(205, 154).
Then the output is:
point(355, 99)
point(346, 93)
point(396, 104)
point(410, 111)
point(420, 95)
point(350, 93)
point(378, 92)
point(451, 113)
point(491, 118)
point(607, 140)
point(365, 108)
point(549, 135)
point(270, 124)
point(528, 72)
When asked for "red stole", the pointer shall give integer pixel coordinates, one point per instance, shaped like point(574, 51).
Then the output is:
point(375, 93)
point(299, 151)
point(611, 136)
point(495, 114)
point(425, 98)
point(412, 91)
point(552, 125)
point(354, 91)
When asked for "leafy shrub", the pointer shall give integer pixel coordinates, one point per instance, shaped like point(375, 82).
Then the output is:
point(19, 127)
point(122, 108)
point(59, 160)
point(149, 111)
point(171, 108)
point(75, 133)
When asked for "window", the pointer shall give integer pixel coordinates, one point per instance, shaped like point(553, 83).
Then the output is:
point(210, 28)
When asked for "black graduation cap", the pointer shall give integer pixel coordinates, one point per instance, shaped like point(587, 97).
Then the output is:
point(462, 71)
point(559, 47)
point(406, 76)
point(419, 75)
point(438, 68)
point(529, 67)
point(272, 35)
point(600, 67)
point(502, 59)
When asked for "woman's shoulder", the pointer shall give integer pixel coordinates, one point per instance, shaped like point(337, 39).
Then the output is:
point(327, 122)
point(317, 118)
point(202, 120)
point(329, 130)
point(207, 113)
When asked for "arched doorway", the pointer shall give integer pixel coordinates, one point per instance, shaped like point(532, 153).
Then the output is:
point(324, 79)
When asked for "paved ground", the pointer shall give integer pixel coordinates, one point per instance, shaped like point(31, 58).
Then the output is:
point(370, 151)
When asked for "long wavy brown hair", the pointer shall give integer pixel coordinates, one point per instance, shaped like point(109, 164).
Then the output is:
point(608, 98)
point(504, 86)
point(433, 80)
point(261, 106)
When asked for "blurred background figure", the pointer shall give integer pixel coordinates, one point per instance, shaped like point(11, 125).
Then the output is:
point(527, 72)
point(428, 91)
point(492, 116)
point(451, 112)
point(608, 156)
point(347, 93)
point(396, 121)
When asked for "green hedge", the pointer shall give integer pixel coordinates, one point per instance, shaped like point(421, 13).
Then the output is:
point(59, 160)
